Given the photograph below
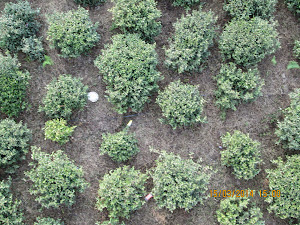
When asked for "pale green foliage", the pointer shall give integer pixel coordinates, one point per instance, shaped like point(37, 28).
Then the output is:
point(57, 130)
point(296, 49)
point(128, 66)
point(188, 49)
point(285, 178)
point(289, 129)
point(293, 65)
point(179, 183)
point(185, 3)
point(72, 32)
point(181, 105)
point(10, 214)
point(33, 47)
point(234, 211)
point(294, 5)
point(14, 143)
point(86, 3)
point(55, 178)
point(64, 95)
point(48, 221)
point(242, 154)
point(235, 86)
point(136, 16)
point(121, 192)
point(247, 42)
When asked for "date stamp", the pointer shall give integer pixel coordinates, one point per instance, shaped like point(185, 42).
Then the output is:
point(243, 193)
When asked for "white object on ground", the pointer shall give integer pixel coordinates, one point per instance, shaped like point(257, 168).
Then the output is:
point(148, 197)
point(93, 96)
point(129, 123)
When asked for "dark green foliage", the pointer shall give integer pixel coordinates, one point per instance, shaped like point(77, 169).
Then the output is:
point(55, 178)
point(128, 66)
point(10, 213)
point(136, 16)
point(289, 129)
point(13, 85)
point(235, 86)
point(179, 183)
point(185, 3)
point(86, 3)
point(64, 95)
point(181, 105)
point(188, 48)
point(285, 178)
point(17, 22)
point(111, 221)
point(72, 32)
point(14, 143)
point(250, 8)
point(294, 5)
point(296, 49)
point(242, 154)
point(247, 42)
point(121, 192)
point(48, 221)
point(33, 47)
point(234, 210)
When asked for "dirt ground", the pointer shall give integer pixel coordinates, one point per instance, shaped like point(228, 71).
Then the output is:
point(202, 140)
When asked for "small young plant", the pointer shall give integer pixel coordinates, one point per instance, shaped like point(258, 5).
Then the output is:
point(293, 65)
point(47, 61)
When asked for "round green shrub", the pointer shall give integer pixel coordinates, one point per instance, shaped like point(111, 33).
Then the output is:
point(14, 143)
point(48, 221)
point(289, 129)
point(13, 86)
point(18, 21)
point(250, 8)
point(185, 3)
point(234, 210)
point(33, 47)
point(181, 105)
point(285, 178)
point(136, 16)
point(242, 154)
point(247, 42)
point(86, 3)
point(294, 5)
point(128, 66)
point(235, 86)
point(57, 130)
point(72, 32)
point(296, 49)
point(121, 192)
point(64, 95)
point(179, 183)
point(189, 46)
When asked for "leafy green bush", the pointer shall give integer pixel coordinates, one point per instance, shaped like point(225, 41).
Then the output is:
point(121, 192)
point(128, 66)
point(17, 22)
point(235, 86)
point(48, 221)
point(185, 3)
point(13, 85)
point(289, 130)
point(14, 143)
point(72, 32)
point(33, 47)
point(285, 178)
point(242, 154)
point(64, 95)
point(193, 36)
point(248, 42)
point(250, 8)
point(57, 130)
point(9, 208)
point(55, 178)
point(136, 16)
point(179, 183)
point(296, 49)
point(294, 5)
point(111, 221)
point(181, 105)
point(86, 3)
point(234, 210)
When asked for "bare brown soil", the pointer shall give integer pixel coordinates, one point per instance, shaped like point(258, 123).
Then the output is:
point(202, 140)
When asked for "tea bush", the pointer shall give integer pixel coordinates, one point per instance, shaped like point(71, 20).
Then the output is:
point(179, 183)
point(64, 95)
point(55, 178)
point(234, 210)
point(294, 5)
point(128, 66)
point(250, 8)
point(57, 130)
point(72, 32)
point(10, 213)
point(185, 3)
point(33, 47)
point(296, 49)
point(289, 130)
point(235, 86)
point(248, 42)
point(242, 154)
point(189, 46)
point(285, 178)
point(135, 16)
point(86, 3)
point(14, 143)
point(13, 85)
point(121, 192)
point(181, 105)
point(48, 221)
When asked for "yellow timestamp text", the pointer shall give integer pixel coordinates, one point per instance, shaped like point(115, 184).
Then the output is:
point(243, 193)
